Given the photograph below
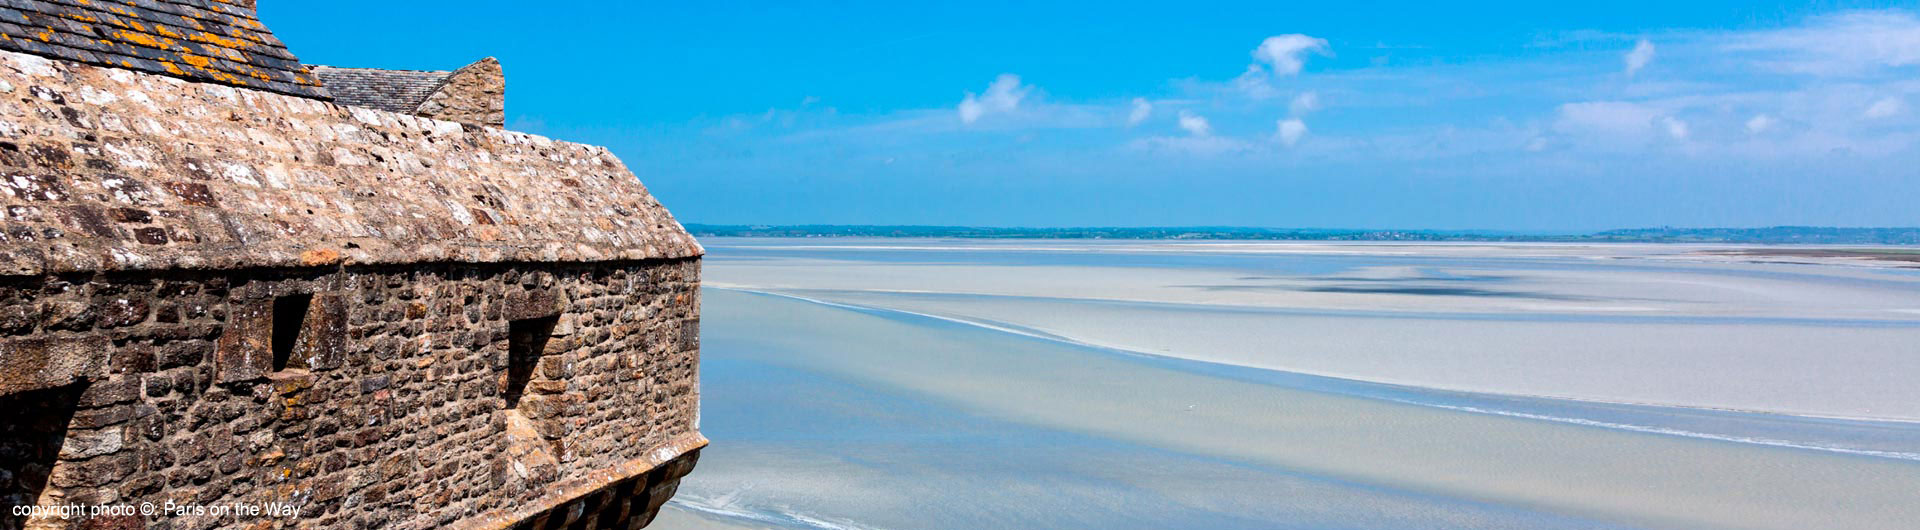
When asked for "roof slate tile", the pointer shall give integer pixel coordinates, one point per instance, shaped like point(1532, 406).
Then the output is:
point(217, 41)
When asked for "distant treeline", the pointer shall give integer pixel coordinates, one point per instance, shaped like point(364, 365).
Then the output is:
point(1769, 235)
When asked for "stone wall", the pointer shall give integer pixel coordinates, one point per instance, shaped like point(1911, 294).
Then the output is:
point(403, 396)
point(474, 94)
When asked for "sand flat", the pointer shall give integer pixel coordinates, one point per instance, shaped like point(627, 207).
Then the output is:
point(1025, 384)
point(1628, 478)
point(1570, 321)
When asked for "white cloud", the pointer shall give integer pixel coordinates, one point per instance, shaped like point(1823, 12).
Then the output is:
point(1286, 54)
point(1253, 83)
point(1304, 103)
point(1195, 124)
point(1675, 127)
point(971, 109)
point(1886, 107)
point(1291, 130)
point(1003, 95)
point(1618, 121)
point(1192, 146)
point(1605, 117)
point(1848, 43)
point(1638, 58)
point(1141, 110)
point(1537, 144)
point(1544, 101)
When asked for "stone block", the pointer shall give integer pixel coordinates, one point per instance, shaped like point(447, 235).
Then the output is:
point(245, 349)
point(523, 304)
point(123, 311)
point(82, 444)
point(45, 362)
point(101, 417)
point(94, 472)
point(374, 384)
point(323, 339)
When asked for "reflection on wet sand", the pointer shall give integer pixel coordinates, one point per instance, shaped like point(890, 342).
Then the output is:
point(1098, 396)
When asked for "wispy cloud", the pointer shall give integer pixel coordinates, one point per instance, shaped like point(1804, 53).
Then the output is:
point(1303, 103)
point(1195, 124)
point(1140, 111)
point(1850, 43)
point(1003, 95)
point(1277, 56)
point(1639, 56)
point(1287, 54)
point(1703, 103)
point(1189, 147)
point(1885, 108)
point(1605, 118)
point(1675, 127)
point(1290, 131)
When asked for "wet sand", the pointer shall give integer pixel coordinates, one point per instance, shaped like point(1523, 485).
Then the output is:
point(1618, 325)
point(864, 409)
point(800, 443)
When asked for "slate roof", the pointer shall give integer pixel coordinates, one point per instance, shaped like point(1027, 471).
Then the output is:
point(214, 41)
point(399, 91)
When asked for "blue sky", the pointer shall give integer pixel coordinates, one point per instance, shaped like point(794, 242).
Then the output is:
point(1509, 116)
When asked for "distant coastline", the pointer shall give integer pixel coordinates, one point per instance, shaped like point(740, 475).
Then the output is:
point(1777, 235)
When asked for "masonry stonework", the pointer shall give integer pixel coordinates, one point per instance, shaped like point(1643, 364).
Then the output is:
point(213, 295)
point(476, 93)
point(391, 414)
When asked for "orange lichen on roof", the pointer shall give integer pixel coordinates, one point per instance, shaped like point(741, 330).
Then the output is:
point(196, 40)
point(127, 20)
point(140, 38)
point(210, 38)
point(227, 78)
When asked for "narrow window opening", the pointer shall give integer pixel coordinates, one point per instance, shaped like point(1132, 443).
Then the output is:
point(526, 340)
point(289, 317)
